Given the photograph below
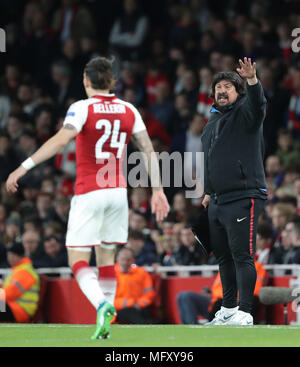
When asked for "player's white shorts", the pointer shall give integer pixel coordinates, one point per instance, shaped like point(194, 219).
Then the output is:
point(97, 217)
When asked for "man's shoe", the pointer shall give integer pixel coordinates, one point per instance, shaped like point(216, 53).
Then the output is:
point(223, 316)
point(241, 318)
point(105, 314)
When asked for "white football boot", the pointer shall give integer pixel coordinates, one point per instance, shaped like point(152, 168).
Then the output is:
point(223, 316)
point(241, 318)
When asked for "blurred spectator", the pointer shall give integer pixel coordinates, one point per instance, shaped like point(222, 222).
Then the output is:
point(185, 32)
point(277, 102)
point(223, 39)
point(135, 292)
point(3, 217)
point(14, 127)
point(65, 161)
point(13, 226)
point(30, 190)
point(205, 100)
point(33, 247)
point(288, 149)
point(206, 46)
point(297, 193)
point(273, 170)
point(27, 99)
point(264, 240)
point(129, 79)
point(284, 40)
point(182, 207)
point(53, 228)
point(190, 87)
point(287, 251)
point(294, 105)
point(73, 20)
point(20, 290)
point(43, 121)
point(250, 44)
point(138, 221)
point(189, 142)
point(144, 250)
point(55, 253)
point(168, 249)
point(281, 215)
point(295, 237)
point(215, 61)
point(48, 184)
point(40, 43)
point(10, 81)
point(139, 200)
point(129, 32)
point(291, 172)
point(62, 87)
point(44, 206)
point(155, 128)
point(163, 106)
point(27, 144)
point(190, 253)
point(8, 158)
point(61, 210)
point(153, 78)
point(5, 107)
point(32, 223)
point(182, 114)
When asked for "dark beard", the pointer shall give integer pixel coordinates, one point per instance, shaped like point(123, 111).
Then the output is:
point(225, 108)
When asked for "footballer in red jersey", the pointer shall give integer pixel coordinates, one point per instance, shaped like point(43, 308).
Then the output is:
point(102, 125)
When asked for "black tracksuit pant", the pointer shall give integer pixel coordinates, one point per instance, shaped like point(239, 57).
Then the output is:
point(233, 228)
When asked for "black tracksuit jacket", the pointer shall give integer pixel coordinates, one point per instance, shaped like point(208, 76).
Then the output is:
point(233, 148)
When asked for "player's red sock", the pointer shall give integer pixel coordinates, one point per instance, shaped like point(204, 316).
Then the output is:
point(108, 282)
point(88, 283)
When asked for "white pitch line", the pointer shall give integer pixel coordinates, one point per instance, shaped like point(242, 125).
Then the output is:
point(155, 326)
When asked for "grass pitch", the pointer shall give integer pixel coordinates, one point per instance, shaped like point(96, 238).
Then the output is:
point(60, 335)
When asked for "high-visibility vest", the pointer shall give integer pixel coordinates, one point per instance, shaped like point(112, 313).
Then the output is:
point(136, 286)
point(28, 300)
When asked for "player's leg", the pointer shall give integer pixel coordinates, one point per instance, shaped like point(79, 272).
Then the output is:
point(241, 220)
point(85, 220)
point(105, 260)
point(79, 258)
point(114, 231)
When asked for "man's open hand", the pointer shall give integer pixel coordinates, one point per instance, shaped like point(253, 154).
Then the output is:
point(247, 70)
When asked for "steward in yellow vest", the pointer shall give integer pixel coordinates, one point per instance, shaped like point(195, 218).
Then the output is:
point(20, 290)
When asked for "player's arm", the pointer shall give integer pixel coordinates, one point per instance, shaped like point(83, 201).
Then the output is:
point(48, 150)
point(159, 202)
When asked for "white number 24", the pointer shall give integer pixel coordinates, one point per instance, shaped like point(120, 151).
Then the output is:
point(117, 140)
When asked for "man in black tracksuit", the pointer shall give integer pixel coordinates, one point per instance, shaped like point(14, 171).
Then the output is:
point(234, 185)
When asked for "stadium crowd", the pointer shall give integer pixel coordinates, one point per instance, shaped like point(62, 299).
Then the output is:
point(164, 60)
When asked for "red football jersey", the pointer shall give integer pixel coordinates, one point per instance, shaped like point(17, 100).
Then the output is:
point(105, 125)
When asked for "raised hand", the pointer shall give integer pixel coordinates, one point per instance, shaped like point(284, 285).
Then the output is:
point(247, 69)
